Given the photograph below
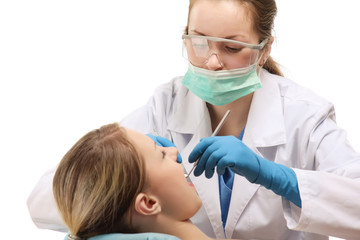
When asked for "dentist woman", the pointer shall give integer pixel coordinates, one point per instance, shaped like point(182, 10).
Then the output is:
point(280, 168)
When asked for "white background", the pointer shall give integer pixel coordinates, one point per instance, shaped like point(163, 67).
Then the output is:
point(67, 67)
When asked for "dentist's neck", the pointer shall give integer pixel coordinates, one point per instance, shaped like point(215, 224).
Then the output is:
point(238, 116)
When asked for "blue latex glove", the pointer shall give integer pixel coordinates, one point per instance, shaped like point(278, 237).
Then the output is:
point(229, 151)
point(164, 142)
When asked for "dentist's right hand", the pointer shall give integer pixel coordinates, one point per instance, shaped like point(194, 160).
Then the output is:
point(222, 152)
point(229, 151)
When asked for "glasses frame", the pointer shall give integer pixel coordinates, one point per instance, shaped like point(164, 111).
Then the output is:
point(216, 39)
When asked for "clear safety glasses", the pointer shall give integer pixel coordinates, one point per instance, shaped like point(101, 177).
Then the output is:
point(230, 53)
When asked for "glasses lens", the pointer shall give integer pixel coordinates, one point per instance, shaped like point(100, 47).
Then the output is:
point(233, 55)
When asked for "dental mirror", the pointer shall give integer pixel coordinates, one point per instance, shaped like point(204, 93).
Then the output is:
point(216, 131)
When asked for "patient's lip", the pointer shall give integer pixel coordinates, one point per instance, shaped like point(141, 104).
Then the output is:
point(191, 184)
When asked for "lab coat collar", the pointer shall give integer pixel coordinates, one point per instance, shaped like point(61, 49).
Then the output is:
point(190, 112)
point(265, 125)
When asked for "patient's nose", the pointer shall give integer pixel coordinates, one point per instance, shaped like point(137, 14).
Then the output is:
point(172, 152)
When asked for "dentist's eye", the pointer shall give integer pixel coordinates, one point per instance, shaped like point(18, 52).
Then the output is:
point(233, 49)
point(163, 153)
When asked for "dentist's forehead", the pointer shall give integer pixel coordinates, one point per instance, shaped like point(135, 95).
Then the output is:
point(206, 17)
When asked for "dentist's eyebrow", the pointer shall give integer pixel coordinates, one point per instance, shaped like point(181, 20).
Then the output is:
point(227, 37)
point(197, 32)
point(154, 145)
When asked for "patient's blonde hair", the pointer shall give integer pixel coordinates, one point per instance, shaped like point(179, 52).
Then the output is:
point(97, 181)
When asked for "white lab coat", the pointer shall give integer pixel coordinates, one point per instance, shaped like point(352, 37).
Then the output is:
point(287, 124)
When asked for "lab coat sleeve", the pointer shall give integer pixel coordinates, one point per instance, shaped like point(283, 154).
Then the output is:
point(330, 192)
point(330, 205)
point(42, 206)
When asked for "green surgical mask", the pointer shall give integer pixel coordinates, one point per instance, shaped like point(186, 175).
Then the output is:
point(223, 86)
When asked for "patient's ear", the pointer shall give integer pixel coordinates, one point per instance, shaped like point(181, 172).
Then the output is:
point(146, 204)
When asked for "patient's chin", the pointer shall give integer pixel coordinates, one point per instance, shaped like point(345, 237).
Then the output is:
point(198, 206)
point(195, 208)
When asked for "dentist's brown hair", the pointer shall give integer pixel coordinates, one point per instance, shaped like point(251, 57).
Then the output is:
point(263, 14)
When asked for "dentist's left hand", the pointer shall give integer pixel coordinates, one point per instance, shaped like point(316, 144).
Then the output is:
point(164, 142)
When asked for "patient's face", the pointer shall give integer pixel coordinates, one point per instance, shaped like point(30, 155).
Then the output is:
point(165, 178)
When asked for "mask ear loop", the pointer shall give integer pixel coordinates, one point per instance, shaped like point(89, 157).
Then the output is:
point(263, 52)
point(260, 57)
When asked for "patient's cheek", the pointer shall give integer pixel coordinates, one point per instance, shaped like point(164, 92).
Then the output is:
point(179, 203)
point(178, 198)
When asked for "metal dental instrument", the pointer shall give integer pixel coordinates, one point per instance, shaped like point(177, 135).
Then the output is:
point(216, 131)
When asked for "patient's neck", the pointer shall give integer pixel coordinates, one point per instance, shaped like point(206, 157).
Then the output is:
point(184, 230)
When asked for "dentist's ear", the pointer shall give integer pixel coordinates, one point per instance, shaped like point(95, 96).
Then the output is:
point(147, 205)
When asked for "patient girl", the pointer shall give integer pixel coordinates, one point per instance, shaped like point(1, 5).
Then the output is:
point(116, 180)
